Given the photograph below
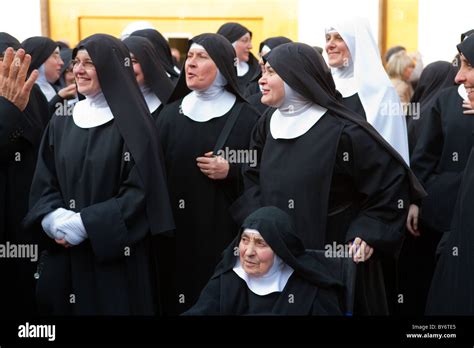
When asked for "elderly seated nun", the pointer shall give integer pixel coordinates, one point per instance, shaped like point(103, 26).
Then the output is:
point(248, 68)
point(99, 193)
point(313, 164)
point(205, 133)
point(265, 47)
point(263, 267)
point(162, 49)
point(45, 56)
point(155, 85)
point(359, 75)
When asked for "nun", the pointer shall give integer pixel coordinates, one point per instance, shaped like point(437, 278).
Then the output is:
point(265, 47)
point(452, 288)
point(433, 80)
point(46, 58)
point(204, 132)
point(155, 85)
point(264, 267)
point(360, 77)
point(419, 247)
point(99, 193)
point(313, 164)
point(441, 153)
point(248, 69)
point(162, 49)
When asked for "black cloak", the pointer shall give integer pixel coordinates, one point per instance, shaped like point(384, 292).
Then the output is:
point(114, 175)
point(205, 213)
point(20, 135)
point(232, 32)
point(434, 78)
point(162, 49)
point(318, 288)
point(155, 76)
point(332, 201)
point(452, 288)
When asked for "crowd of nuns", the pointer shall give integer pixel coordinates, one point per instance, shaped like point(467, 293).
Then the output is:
point(214, 190)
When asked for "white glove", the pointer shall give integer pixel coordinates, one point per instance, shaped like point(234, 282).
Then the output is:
point(72, 229)
point(51, 220)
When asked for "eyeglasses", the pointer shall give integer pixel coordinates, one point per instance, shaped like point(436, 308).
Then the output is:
point(87, 65)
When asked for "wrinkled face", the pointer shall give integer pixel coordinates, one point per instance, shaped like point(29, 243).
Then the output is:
point(137, 69)
point(336, 48)
point(465, 76)
point(272, 86)
point(256, 256)
point(85, 74)
point(200, 70)
point(242, 48)
point(53, 66)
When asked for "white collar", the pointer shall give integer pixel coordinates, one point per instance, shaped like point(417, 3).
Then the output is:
point(462, 92)
point(295, 116)
point(273, 281)
point(152, 101)
point(92, 112)
point(242, 68)
point(48, 90)
point(290, 127)
point(216, 101)
point(202, 110)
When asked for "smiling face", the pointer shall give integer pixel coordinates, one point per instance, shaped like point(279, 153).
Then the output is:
point(200, 70)
point(336, 48)
point(137, 69)
point(242, 47)
point(465, 76)
point(85, 74)
point(53, 66)
point(272, 86)
point(256, 256)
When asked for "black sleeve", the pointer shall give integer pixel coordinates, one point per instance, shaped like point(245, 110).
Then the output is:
point(115, 225)
point(12, 126)
point(383, 185)
point(429, 146)
point(250, 200)
point(209, 300)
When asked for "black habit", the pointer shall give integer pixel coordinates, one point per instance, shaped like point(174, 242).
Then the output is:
point(200, 204)
point(112, 175)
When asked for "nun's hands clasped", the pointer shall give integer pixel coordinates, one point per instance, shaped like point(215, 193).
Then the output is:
point(214, 167)
point(14, 85)
point(360, 251)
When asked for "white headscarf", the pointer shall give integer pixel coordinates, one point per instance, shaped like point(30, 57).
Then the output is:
point(366, 76)
point(273, 281)
point(48, 90)
point(216, 101)
point(295, 116)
